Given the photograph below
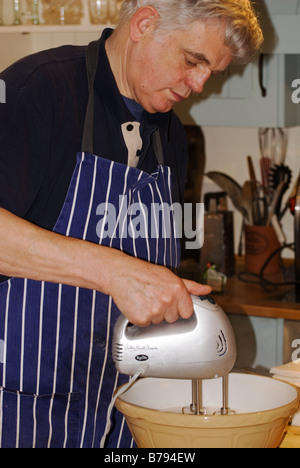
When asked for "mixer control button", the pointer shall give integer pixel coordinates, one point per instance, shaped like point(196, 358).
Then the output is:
point(211, 300)
point(207, 298)
point(202, 298)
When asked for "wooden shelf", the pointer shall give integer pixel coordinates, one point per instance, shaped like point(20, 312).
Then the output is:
point(29, 29)
point(23, 40)
point(243, 298)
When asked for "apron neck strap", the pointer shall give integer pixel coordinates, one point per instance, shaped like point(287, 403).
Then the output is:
point(91, 66)
point(92, 55)
point(158, 147)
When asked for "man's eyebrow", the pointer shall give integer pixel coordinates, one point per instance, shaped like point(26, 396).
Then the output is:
point(200, 57)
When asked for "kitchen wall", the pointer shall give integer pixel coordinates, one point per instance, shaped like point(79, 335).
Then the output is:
point(227, 150)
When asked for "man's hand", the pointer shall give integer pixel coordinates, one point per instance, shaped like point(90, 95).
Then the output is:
point(147, 293)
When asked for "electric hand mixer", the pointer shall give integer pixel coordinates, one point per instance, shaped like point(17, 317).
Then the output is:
point(200, 348)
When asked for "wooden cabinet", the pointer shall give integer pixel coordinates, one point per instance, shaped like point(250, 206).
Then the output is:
point(257, 95)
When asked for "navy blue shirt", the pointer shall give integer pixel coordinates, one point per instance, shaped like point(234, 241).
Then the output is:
point(135, 108)
point(41, 128)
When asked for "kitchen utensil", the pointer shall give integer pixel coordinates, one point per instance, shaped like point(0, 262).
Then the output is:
point(215, 201)
point(202, 347)
point(233, 190)
point(218, 248)
point(275, 201)
point(277, 175)
point(279, 146)
point(265, 165)
point(248, 193)
point(265, 162)
point(273, 146)
point(291, 200)
point(252, 173)
point(283, 147)
point(260, 208)
point(279, 231)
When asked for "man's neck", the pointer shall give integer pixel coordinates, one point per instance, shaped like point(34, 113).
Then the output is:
point(117, 48)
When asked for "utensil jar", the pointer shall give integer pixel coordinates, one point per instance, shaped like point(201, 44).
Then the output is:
point(261, 243)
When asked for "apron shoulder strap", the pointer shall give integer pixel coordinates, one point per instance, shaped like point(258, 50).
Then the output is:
point(91, 66)
point(87, 139)
point(158, 147)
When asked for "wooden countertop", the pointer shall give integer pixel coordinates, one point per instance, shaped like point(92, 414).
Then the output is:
point(249, 299)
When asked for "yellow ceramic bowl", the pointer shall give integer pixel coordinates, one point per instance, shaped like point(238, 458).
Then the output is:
point(263, 406)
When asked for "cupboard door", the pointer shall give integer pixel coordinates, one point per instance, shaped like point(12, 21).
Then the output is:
point(238, 99)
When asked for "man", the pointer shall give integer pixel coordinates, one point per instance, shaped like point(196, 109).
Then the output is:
point(63, 280)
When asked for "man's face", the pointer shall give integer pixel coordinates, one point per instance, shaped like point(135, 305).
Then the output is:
point(169, 67)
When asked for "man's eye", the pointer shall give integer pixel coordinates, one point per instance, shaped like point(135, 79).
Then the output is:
point(190, 63)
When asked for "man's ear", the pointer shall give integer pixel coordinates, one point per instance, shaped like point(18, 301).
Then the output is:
point(143, 21)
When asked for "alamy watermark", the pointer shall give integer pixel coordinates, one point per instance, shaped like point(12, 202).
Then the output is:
point(157, 221)
point(296, 353)
point(2, 92)
point(296, 93)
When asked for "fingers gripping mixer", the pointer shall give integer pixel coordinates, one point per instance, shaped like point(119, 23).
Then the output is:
point(200, 348)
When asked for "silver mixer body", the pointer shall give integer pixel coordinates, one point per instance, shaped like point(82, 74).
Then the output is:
point(200, 348)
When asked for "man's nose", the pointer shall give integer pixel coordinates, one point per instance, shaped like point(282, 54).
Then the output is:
point(197, 79)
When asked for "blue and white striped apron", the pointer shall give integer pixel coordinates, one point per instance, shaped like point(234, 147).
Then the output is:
point(57, 376)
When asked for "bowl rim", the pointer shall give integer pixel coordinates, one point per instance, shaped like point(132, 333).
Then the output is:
point(131, 410)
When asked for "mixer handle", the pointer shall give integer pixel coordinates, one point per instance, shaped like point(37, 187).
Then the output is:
point(123, 323)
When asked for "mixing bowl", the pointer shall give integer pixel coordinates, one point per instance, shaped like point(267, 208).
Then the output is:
point(262, 409)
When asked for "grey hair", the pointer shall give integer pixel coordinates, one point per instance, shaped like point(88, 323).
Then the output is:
point(244, 36)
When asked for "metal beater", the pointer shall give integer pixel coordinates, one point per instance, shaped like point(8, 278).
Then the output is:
point(200, 348)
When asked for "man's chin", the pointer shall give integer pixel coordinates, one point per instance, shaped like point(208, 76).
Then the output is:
point(162, 108)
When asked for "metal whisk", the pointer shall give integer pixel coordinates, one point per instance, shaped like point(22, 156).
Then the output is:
point(197, 407)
